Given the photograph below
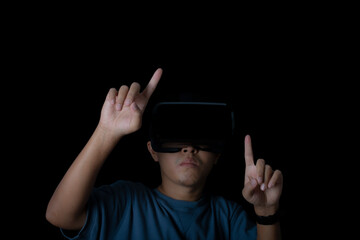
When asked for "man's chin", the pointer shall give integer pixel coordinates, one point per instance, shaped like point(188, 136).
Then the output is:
point(191, 181)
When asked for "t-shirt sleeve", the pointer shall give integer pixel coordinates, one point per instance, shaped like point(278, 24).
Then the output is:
point(105, 203)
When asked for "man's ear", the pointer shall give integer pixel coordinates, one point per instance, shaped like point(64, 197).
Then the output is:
point(152, 152)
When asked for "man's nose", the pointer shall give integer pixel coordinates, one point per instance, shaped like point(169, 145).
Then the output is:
point(189, 148)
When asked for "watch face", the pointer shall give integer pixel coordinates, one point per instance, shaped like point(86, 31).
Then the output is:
point(199, 123)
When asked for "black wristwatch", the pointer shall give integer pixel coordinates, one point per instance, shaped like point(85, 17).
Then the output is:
point(268, 220)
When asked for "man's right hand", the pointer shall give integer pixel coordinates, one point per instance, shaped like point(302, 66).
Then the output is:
point(122, 110)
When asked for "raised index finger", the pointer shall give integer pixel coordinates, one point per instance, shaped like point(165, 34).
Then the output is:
point(249, 156)
point(150, 88)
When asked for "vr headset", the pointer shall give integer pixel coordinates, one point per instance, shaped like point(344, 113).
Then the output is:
point(204, 125)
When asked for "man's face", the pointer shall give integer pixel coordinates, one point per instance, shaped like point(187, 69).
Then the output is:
point(188, 167)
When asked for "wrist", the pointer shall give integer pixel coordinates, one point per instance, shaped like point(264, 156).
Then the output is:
point(107, 133)
point(266, 211)
point(268, 219)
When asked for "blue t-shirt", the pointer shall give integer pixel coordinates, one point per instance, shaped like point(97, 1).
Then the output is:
point(131, 210)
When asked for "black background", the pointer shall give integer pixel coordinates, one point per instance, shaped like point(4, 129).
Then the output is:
point(273, 67)
point(266, 102)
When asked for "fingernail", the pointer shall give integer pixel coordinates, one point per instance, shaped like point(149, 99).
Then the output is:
point(262, 187)
point(118, 106)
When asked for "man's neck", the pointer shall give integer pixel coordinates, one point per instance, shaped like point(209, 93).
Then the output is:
point(179, 192)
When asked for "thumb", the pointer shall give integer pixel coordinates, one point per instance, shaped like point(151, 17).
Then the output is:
point(135, 107)
point(249, 188)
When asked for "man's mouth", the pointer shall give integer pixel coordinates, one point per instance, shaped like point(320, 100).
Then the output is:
point(189, 163)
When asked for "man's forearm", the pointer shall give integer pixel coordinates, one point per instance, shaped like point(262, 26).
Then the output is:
point(269, 232)
point(67, 205)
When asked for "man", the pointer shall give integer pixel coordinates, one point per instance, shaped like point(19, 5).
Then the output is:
point(178, 208)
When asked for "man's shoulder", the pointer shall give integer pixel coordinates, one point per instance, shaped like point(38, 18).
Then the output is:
point(227, 207)
point(123, 189)
point(122, 182)
point(225, 202)
point(122, 185)
point(129, 184)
